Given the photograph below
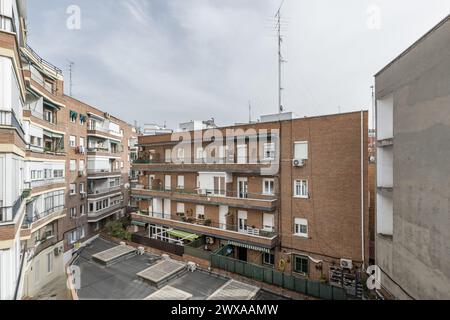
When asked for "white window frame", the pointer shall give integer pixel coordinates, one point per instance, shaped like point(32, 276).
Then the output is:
point(180, 182)
point(73, 189)
point(180, 207)
point(269, 148)
point(304, 189)
point(268, 192)
point(168, 155)
point(200, 211)
point(180, 154)
point(73, 165)
point(298, 156)
point(72, 141)
point(298, 223)
point(200, 153)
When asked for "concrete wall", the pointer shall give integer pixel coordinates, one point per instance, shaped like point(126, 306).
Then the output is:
point(417, 257)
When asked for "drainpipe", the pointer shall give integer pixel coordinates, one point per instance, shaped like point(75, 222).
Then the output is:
point(362, 188)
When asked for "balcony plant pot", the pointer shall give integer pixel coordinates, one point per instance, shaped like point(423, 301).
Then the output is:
point(208, 222)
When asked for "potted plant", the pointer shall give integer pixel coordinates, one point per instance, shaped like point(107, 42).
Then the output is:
point(208, 222)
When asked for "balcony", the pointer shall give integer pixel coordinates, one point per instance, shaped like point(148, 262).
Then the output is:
point(37, 185)
point(95, 129)
point(46, 121)
point(8, 214)
point(203, 165)
point(103, 173)
point(35, 221)
point(100, 192)
point(254, 201)
point(103, 151)
point(248, 235)
point(104, 213)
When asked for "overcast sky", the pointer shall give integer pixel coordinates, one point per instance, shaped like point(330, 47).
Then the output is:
point(179, 60)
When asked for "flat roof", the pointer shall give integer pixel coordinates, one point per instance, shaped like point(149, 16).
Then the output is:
point(235, 290)
point(120, 281)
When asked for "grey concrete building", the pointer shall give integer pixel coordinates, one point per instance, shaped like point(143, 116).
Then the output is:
point(413, 169)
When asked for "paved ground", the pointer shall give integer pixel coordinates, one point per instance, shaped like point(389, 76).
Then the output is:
point(55, 290)
point(120, 282)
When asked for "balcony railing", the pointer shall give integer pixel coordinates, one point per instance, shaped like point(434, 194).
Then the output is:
point(99, 171)
point(212, 193)
point(97, 191)
point(8, 118)
point(31, 218)
point(243, 229)
point(42, 61)
point(98, 213)
point(202, 161)
point(8, 214)
point(44, 182)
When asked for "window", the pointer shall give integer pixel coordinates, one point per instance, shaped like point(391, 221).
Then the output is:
point(199, 154)
point(268, 186)
point(301, 150)
point(91, 207)
point(73, 189)
point(50, 262)
point(121, 165)
point(72, 141)
point(167, 182)
point(82, 209)
point(81, 166)
point(58, 173)
point(219, 186)
point(81, 187)
point(180, 154)
point(301, 264)
point(200, 212)
point(301, 188)
point(73, 165)
point(269, 259)
point(81, 142)
point(180, 207)
point(73, 213)
point(268, 222)
point(301, 227)
point(269, 151)
point(168, 155)
point(180, 182)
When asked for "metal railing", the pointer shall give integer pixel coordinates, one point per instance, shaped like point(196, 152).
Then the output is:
point(9, 213)
point(181, 217)
point(213, 193)
point(280, 279)
point(209, 160)
point(43, 61)
point(8, 118)
point(105, 210)
point(35, 217)
point(94, 171)
point(96, 191)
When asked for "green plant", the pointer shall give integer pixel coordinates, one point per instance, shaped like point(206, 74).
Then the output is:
point(117, 229)
point(208, 222)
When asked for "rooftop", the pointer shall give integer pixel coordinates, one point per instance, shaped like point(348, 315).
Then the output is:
point(120, 281)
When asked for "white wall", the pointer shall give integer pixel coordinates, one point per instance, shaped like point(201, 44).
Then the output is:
point(385, 215)
point(385, 117)
point(385, 167)
point(9, 270)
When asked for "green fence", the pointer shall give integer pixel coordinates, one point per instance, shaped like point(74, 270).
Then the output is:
point(308, 287)
point(196, 249)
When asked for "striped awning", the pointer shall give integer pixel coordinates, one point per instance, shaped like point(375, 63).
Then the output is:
point(248, 246)
point(183, 235)
point(138, 223)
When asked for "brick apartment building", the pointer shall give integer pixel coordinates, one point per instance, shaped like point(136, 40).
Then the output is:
point(57, 186)
point(306, 217)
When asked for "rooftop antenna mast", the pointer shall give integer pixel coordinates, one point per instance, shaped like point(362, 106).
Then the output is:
point(71, 64)
point(249, 112)
point(280, 58)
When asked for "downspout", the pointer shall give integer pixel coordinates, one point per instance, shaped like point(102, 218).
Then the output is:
point(362, 189)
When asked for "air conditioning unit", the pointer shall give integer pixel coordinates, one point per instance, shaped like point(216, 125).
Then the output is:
point(83, 195)
point(346, 264)
point(80, 173)
point(107, 115)
point(298, 162)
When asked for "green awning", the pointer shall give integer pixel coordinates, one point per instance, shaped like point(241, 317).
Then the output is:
point(138, 223)
point(183, 235)
point(53, 135)
point(248, 246)
point(51, 105)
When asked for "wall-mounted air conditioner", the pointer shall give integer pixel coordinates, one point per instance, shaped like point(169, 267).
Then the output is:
point(298, 162)
point(346, 264)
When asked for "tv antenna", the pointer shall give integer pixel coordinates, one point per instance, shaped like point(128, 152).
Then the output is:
point(71, 64)
point(280, 57)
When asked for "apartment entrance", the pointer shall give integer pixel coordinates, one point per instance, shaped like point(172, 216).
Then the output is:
point(242, 188)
